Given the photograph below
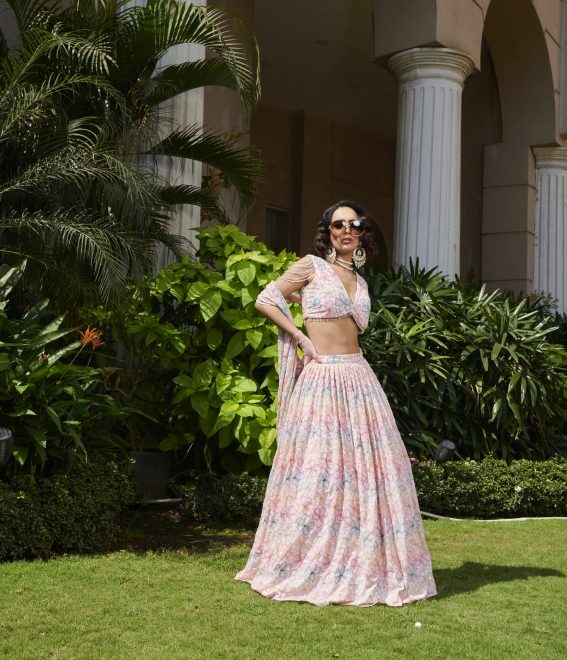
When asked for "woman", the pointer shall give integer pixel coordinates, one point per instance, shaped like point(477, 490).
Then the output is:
point(340, 521)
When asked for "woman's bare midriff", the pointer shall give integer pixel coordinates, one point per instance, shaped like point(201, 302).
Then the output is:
point(333, 337)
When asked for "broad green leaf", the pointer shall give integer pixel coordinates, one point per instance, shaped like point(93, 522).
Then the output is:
point(254, 338)
point(246, 297)
point(200, 403)
point(225, 436)
point(20, 454)
point(222, 382)
point(241, 384)
point(196, 290)
point(267, 455)
point(203, 374)
point(246, 272)
point(210, 303)
point(267, 438)
point(235, 346)
point(214, 338)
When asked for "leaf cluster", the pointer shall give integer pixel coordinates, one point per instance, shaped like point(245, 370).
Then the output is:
point(202, 362)
point(491, 488)
point(73, 510)
point(51, 399)
point(463, 364)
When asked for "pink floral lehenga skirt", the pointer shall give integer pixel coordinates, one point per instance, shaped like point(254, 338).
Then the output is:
point(340, 521)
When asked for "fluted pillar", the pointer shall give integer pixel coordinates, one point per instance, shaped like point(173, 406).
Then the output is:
point(550, 244)
point(428, 160)
point(186, 109)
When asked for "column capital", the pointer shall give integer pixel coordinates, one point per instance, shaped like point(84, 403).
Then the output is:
point(552, 157)
point(427, 63)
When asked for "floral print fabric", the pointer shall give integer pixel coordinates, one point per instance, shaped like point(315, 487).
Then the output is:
point(340, 521)
point(325, 296)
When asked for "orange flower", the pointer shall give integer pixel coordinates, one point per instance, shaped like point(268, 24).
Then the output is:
point(91, 336)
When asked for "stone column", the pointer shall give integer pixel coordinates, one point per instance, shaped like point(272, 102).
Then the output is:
point(550, 245)
point(183, 110)
point(428, 159)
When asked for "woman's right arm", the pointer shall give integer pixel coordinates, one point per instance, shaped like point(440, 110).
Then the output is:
point(292, 280)
point(274, 313)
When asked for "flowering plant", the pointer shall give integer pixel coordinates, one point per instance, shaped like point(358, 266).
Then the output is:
point(51, 403)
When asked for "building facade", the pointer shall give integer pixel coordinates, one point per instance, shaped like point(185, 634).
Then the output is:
point(445, 118)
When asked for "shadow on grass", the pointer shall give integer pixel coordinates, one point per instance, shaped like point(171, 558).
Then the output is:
point(161, 528)
point(471, 576)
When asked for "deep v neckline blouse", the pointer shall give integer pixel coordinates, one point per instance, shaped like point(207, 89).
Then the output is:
point(356, 278)
point(322, 299)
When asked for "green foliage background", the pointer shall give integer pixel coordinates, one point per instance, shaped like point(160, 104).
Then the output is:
point(193, 366)
point(202, 362)
point(461, 364)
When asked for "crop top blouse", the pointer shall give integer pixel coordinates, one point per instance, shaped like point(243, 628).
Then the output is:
point(324, 297)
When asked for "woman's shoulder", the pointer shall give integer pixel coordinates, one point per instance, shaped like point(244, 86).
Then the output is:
point(318, 262)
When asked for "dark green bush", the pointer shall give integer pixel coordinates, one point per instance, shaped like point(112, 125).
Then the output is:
point(458, 363)
point(464, 489)
point(74, 511)
point(222, 499)
point(493, 489)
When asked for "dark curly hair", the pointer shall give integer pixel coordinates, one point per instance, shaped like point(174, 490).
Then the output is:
point(322, 242)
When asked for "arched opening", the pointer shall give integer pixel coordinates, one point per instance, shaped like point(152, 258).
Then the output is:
point(481, 125)
point(519, 112)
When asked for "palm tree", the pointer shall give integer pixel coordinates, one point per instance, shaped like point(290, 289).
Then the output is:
point(80, 103)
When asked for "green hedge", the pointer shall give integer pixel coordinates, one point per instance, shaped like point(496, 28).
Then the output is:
point(73, 511)
point(487, 489)
point(493, 489)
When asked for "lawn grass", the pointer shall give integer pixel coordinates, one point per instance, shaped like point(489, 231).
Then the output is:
point(502, 594)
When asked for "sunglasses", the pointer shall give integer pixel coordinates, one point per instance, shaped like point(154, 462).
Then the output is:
point(356, 227)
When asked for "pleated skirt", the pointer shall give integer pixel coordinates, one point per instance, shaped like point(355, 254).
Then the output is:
point(340, 522)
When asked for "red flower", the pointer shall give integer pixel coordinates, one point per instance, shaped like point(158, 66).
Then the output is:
point(91, 336)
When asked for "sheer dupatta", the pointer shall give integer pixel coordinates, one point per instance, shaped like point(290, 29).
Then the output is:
point(290, 365)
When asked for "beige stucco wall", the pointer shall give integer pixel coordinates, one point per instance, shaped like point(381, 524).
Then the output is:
point(312, 161)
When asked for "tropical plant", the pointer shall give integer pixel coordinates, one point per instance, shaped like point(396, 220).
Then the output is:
point(203, 361)
point(461, 364)
point(49, 400)
point(83, 109)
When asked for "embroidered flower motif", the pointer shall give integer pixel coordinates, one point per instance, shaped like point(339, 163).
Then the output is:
point(342, 303)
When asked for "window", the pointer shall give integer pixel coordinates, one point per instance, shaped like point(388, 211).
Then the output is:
point(278, 223)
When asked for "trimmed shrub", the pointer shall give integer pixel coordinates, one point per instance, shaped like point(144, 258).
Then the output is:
point(75, 511)
point(222, 499)
point(465, 489)
point(493, 489)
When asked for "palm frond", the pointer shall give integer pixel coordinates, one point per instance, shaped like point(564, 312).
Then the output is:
point(239, 168)
point(26, 10)
point(179, 78)
point(101, 246)
point(149, 32)
point(23, 106)
point(195, 196)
